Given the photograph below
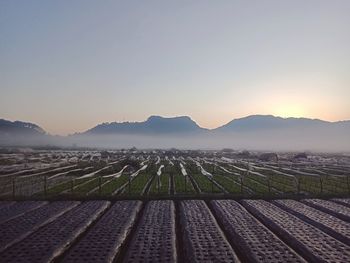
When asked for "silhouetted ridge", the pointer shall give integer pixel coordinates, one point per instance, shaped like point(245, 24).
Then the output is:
point(269, 122)
point(9, 128)
point(153, 125)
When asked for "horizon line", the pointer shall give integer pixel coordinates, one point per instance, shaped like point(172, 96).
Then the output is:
point(174, 116)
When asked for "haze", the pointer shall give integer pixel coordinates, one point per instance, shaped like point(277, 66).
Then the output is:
point(69, 65)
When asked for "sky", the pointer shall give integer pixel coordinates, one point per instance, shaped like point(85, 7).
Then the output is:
point(69, 65)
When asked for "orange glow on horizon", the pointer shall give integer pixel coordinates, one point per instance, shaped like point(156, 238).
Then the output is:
point(287, 111)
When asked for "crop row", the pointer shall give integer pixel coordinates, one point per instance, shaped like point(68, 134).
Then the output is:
point(308, 240)
point(154, 239)
point(328, 223)
point(254, 241)
point(202, 237)
point(181, 181)
point(342, 201)
point(52, 239)
point(161, 183)
point(205, 184)
point(165, 231)
point(8, 212)
point(18, 228)
point(104, 241)
point(329, 207)
point(203, 176)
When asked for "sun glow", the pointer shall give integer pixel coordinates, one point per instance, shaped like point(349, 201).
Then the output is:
point(286, 111)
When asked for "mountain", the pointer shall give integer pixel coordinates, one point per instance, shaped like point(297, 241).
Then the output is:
point(153, 125)
point(266, 132)
point(18, 133)
point(19, 128)
point(256, 123)
point(256, 132)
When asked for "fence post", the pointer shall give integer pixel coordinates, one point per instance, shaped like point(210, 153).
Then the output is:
point(297, 181)
point(72, 186)
point(100, 185)
point(212, 178)
point(241, 177)
point(212, 185)
point(13, 187)
point(45, 185)
point(172, 183)
point(158, 183)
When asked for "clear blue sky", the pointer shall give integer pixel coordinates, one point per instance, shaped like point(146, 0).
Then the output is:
point(69, 65)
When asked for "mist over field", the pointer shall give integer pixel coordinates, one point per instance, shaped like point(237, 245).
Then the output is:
point(264, 141)
point(268, 140)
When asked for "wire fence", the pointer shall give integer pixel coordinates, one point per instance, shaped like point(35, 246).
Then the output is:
point(171, 184)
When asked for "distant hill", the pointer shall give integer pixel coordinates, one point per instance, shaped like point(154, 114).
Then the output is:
point(19, 128)
point(18, 133)
point(153, 125)
point(256, 132)
point(266, 132)
point(256, 123)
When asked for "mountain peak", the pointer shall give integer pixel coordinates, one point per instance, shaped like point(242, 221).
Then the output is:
point(157, 118)
point(19, 128)
point(266, 122)
point(154, 117)
point(153, 125)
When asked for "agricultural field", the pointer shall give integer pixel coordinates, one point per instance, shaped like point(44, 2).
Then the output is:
point(158, 173)
point(225, 230)
point(173, 206)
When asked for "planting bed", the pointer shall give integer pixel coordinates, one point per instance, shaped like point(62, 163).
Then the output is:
point(103, 242)
point(171, 231)
point(342, 201)
point(333, 226)
point(53, 239)
point(253, 240)
point(154, 239)
point(202, 238)
point(312, 243)
point(330, 207)
point(18, 228)
point(5, 204)
point(8, 212)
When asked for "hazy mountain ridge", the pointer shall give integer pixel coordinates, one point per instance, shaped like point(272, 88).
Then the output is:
point(19, 128)
point(153, 125)
point(269, 122)
point(181, 124)
point(259, 132)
